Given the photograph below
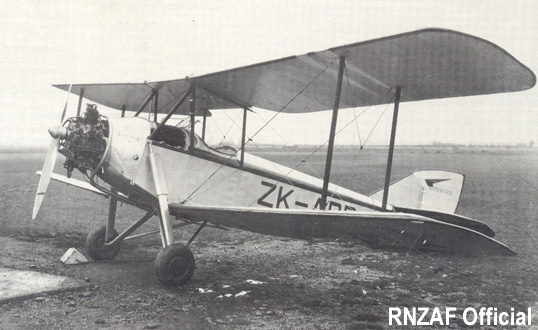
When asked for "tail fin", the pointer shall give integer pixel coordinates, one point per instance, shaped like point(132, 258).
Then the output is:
point(432, 190)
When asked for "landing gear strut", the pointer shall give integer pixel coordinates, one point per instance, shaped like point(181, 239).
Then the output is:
point(175, 263)
point(96, 242)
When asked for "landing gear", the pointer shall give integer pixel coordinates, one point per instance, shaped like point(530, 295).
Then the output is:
point(174, 265)
point(96, 248)
point(96, 241)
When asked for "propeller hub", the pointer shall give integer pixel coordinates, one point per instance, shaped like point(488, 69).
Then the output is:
point(58, 132)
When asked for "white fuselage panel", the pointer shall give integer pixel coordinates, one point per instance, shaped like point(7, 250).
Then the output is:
point(203, 179)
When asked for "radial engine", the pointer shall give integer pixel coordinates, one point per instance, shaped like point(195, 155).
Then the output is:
point(84, 140)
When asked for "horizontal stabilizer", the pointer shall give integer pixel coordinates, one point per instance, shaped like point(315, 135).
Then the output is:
point(431, 190)
point(454, 219)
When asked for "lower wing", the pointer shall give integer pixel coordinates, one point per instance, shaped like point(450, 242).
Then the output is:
point(74, 182)
point(388, 230)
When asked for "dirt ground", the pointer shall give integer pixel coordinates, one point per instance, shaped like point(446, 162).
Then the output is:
point(249, 281)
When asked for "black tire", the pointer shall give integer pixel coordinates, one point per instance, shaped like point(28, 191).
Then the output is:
point(95, 245)
point(174, 265)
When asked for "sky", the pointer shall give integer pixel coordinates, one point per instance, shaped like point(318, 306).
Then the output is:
point(60, 42)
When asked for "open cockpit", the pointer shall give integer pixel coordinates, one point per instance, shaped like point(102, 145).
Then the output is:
point(179, 137)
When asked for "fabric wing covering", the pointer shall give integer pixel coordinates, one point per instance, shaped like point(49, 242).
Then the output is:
point(427, 64)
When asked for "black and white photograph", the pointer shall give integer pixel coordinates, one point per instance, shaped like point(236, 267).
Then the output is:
point(343, 165)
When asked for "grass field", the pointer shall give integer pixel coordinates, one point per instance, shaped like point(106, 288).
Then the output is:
point(501, 189)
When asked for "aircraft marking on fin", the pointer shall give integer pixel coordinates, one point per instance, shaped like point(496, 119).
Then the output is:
point(431, 182)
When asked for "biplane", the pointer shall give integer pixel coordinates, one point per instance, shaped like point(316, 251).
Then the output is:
point(170, 172)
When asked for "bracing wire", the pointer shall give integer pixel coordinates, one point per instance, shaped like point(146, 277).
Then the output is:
point(260, 129)
point(305, 160)
point(258, 148)
point(293, 98)
point(221, 132)
point(234, 122)
point(338, 132)
point(298, 156)
point(365, 141)
point(354, 109)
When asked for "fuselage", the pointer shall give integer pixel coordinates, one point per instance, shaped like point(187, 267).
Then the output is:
point(169, 170)
point(207, 176)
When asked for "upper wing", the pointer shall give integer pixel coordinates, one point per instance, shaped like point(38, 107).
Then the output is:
point(380, 229)
point(427, 64)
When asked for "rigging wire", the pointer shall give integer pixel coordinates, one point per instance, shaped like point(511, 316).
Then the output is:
point(221, 132)
point(259, 149)
point(234, 122)
point(303, 161)
point(260, 129)
point(365, 141)
point(354, 112)
point(293, 98)
point(321, 146)
point(338, 132)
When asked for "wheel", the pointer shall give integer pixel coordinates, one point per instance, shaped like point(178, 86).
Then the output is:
point(95, 245)
point(174, 265)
